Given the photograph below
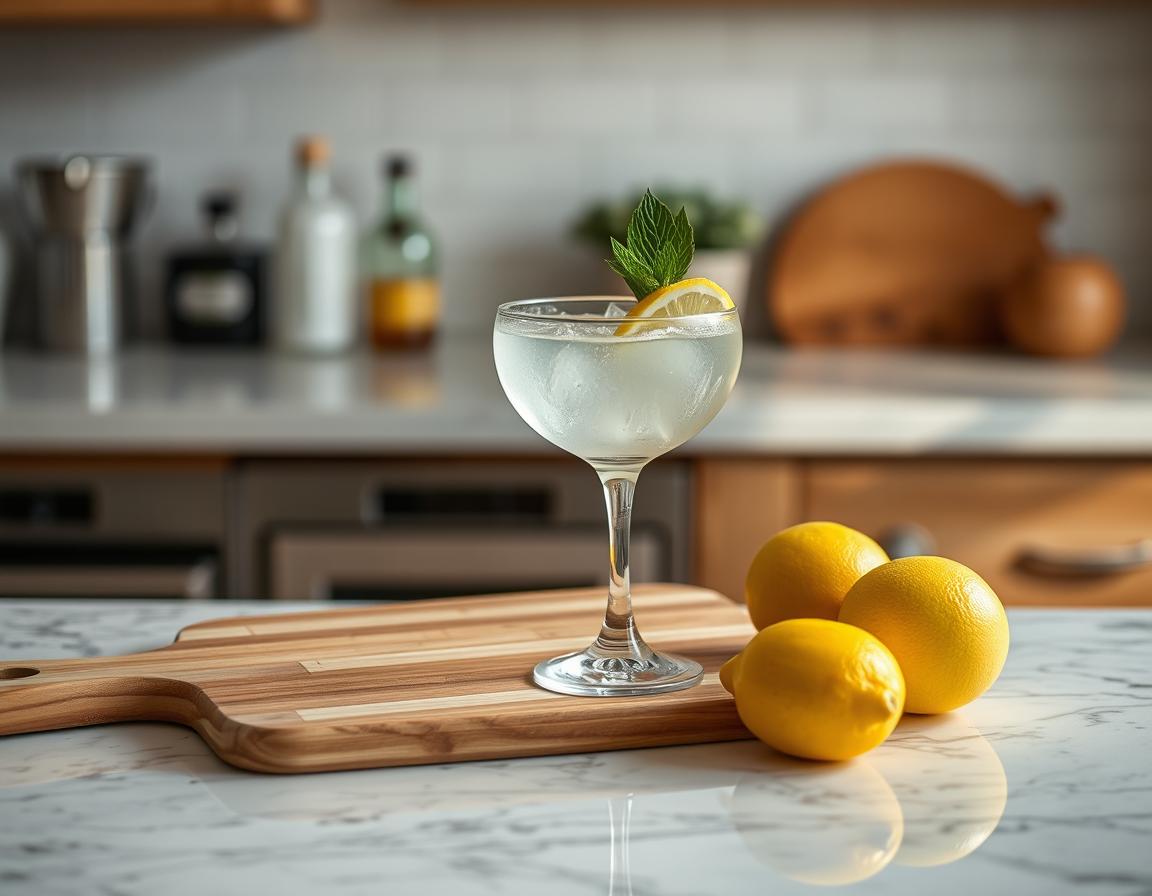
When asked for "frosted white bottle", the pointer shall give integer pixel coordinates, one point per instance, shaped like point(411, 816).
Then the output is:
point(314, 302)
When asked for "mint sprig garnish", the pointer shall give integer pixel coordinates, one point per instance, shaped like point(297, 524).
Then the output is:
point(658, 248)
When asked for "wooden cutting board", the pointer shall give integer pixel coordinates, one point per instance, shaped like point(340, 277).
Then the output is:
point(905, 253)
point(407, 684)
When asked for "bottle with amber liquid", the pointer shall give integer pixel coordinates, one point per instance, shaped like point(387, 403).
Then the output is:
point(400, 266)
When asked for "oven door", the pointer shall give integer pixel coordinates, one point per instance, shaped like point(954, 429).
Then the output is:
point(88, 569)
point(410, 564)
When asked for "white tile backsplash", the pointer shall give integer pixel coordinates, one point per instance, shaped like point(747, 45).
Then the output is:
point(589, 109)
point(1058, 104)
point(518, 115)
point(1089, 42)
point(802, 42)
point(528, 45)
point(453, 111)
point(515, 170)
point(740, 105)
point(884, 102)
point(952, 41)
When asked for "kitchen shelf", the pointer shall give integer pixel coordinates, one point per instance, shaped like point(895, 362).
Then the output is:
point(68, 12)
point(783, 4)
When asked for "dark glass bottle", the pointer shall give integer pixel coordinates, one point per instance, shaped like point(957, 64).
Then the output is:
point(215, 291)
point(400, 266)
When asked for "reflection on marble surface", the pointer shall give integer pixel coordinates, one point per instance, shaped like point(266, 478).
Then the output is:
point(943, 820)
point(449, 401)
point(1041, 787)
point(819, 824)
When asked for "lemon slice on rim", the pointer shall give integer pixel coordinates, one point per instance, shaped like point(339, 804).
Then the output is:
point(697, 295)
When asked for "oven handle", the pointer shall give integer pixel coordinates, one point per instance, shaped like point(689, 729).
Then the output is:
point(1101, 561)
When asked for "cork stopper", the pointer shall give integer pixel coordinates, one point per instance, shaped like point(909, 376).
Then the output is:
point(312, 150)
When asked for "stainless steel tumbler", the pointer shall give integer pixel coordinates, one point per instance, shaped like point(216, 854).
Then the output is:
point(84, 209)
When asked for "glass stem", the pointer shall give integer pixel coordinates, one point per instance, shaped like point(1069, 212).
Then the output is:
point(618, 636)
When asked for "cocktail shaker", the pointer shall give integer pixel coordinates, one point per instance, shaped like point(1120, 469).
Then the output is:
point(84, 209)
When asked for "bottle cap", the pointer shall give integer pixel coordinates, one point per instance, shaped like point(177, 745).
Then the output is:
point(398, 165)
point(313, 150)
point(221, 209)
point(220, 203)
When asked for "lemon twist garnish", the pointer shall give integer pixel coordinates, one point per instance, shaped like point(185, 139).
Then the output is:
point(696, 295)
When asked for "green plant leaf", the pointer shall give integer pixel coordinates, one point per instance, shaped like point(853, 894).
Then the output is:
point(637, 273)
point(629, 260)
point(659, 247)
point(666, 265)
point(640, 284)
point(683, 245)
point(650, 227)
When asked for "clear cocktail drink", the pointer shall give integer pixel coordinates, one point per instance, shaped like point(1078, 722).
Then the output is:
point(617, 401)
point(616, 395)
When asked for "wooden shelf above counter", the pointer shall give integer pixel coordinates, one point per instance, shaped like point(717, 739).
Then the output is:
point(294, 12)
point(90, 12)
point(786, 5)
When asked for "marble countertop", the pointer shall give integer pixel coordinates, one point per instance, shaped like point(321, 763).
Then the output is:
point(1043, 786)
point(449, 402)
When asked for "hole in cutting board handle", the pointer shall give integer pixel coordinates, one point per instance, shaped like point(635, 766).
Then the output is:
point(18, 672)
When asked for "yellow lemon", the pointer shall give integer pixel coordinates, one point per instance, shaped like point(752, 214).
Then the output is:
point(942, 622)
point(805, 571)
point(728, 673)
point(697, 295)
point(817, 689)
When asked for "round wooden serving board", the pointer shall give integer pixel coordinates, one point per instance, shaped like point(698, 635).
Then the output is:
point(403, 684)
point(907, 253)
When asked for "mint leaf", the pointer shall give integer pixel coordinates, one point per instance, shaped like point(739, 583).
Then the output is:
point(649, 227)
point(637, 273)
point(683, 244)
point(666, 267)
point(659, 247)
point(627, 257)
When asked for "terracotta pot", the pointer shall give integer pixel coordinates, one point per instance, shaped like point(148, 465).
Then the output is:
point(1068, 306)
point(731, 268)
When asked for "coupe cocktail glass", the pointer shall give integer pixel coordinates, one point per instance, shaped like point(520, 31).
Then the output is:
point(617, 402)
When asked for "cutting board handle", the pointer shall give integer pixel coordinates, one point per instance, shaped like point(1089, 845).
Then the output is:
point(46, 695)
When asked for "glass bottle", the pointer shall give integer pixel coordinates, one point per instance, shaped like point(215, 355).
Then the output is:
point(215, 291)
point(401, 266)
point(315, 298)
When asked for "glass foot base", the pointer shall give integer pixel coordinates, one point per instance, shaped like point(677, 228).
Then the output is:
point(594, 673)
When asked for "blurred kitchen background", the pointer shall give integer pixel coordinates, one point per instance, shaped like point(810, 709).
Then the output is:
point(1013, 432)
point(518, 116)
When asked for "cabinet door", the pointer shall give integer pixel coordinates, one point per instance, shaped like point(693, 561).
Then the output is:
point(1056, 533)
point(740, 504)
point(383, 564)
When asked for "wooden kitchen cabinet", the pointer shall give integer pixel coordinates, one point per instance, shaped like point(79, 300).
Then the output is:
point(740, 504)
point(989, 514)
point(159, 11)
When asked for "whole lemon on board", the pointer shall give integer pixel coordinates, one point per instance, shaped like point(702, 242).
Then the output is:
point(817, 689)
point(942, 622)
point(804, 571)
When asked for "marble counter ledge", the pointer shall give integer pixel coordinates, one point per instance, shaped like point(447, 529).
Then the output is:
point(1041, 787)
point(449, 403)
